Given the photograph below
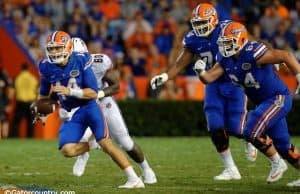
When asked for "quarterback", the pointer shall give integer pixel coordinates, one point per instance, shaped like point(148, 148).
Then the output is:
point(75, 84)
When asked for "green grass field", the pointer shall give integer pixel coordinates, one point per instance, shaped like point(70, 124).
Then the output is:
point(183, 165)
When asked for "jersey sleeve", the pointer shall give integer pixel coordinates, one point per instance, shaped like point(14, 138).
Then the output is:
point(220, 59)
point(89, 79)
point(45, 85)
point(256, 50)
point(187, 40)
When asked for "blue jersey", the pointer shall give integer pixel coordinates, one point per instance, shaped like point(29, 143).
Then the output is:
point(259, 82)
point(76, 74)
point(205, 47)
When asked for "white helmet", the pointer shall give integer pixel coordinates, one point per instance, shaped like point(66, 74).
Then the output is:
point(79, 45)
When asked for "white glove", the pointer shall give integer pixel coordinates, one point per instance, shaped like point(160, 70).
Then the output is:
point(298, 86)
point(199, 66)
point(158, 80)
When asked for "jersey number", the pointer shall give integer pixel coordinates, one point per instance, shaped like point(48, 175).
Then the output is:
point(248, 82)
point(98, 58)
point(207, 57)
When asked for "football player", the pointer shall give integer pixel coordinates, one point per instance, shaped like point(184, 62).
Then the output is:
point(224, 103)
point(108, 85)
point(249, 64)
point(74, 82)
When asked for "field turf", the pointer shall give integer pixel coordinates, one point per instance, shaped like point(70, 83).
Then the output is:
point(183, 165)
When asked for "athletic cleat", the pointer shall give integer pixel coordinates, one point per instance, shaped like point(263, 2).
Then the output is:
point(277, 170)
point(133, 184)
point(295, 183)
point(250, 151)
point(149, 176)
point(80, 164)
point(229, 174)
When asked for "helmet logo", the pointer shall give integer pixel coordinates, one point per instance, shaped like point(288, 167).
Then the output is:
point(208, 12)
point(236, 31)
point(63, 39)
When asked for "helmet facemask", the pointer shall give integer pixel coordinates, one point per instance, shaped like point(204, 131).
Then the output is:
point(202, 27)
point(229, 46)
point(57, 52)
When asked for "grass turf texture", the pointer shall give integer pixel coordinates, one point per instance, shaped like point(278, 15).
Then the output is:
point(182, 165)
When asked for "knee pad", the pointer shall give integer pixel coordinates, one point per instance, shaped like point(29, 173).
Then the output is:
point(292, 156)
point(263, 143)
point(220, 139)
point(125, 142)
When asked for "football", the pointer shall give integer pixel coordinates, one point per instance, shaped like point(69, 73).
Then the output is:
point(43, 106)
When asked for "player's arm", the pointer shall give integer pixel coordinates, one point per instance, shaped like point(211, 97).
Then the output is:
point(88, 90)
point(113, 84)
point(208, 76)
point(183, 60)
point(45, 88)
point(282, 56)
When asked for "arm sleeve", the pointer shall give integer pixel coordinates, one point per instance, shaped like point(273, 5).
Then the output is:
point(89, 79)
point(45, 87)
point(259, 49)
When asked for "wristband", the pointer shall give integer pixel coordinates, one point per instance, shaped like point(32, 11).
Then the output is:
point(101, 94)
point(165, 77)
point(78, 93)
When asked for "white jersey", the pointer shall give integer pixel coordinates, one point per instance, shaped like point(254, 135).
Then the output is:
point(115, 122)
point(101, 64)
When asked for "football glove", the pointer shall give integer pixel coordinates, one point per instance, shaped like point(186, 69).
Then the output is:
point(158, 80)
point(298, 86)
point(199, 66)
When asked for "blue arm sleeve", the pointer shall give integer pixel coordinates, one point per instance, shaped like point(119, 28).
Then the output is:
point(89, 79)
point(45, 87)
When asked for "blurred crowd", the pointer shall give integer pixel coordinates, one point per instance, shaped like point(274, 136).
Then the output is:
point(143, 37)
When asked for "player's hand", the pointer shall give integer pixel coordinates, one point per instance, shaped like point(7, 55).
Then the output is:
point(62, 90)
point(158, 80)
point(199, 66)
point(277, 66)
point(298, 86)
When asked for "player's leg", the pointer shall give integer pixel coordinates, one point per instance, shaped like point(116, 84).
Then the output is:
point(81, 160)
point(281, 139)
point(267, 115)
point(69, 135)
point(214, 112)
point(100, 131)
point(4, 125)
point(235, 119)
point(119, 133)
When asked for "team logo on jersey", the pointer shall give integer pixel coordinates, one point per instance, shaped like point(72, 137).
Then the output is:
point(74, 73)
point(249, 48)
point(246, 66)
